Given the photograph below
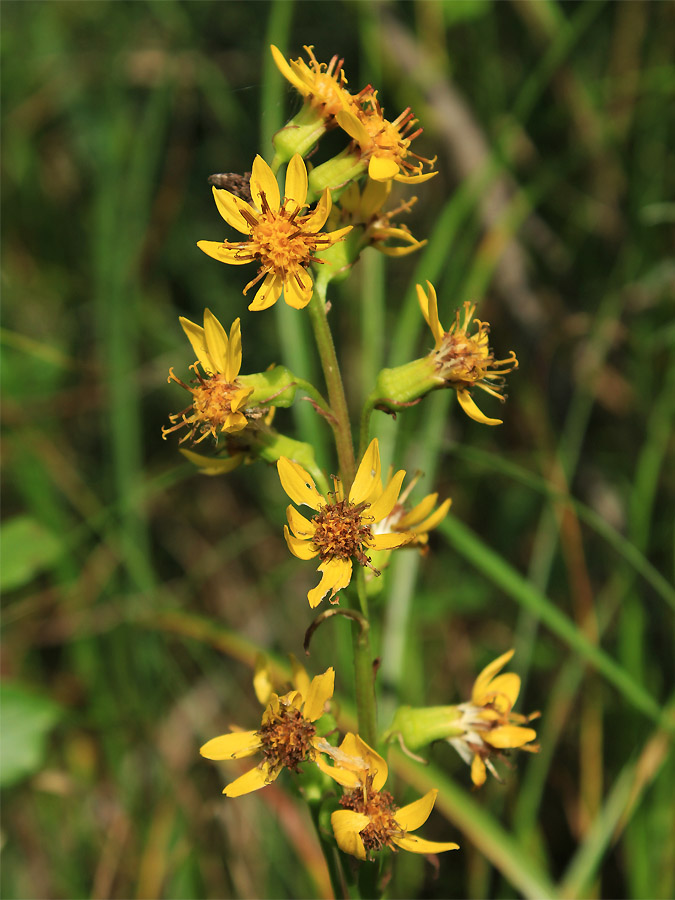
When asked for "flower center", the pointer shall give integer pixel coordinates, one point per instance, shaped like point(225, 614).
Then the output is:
point(463, 360)
point(279, 242)
point(341, 532)
point(212, 407)
point(287, 738)
point(379, 806)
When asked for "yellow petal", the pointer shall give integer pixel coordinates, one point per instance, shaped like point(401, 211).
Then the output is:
point(509, 736)
point(350, 199)
point(382, 168)
point(381, 508)
point(320, 691)
point(336, 574)
point(253, 780)
point(262, 681)
point(298, 484)
point(391, 541)
point(352, 125)
point(300, 677)
point(503, 691)
point(354, 746)
point(236, 745)
point(346, 826)
point(296, 181)
point(345, 777)
point(268, 292)
point(429, 306)
point(300, 526)
point(299, 547)
point(472, 411)
point(195, 334)
point(216, 340)
point(478, 771)
point(415, 814)
point(415, 179)
point(233, 355)
point(435, 518)
point(418, 845)
point(210, 465)
point(231, 207)
point(374, 197)
point(234, 421)
point(316, 220)
point(264, 182)
point(230, 255)
point(298, 290)
point(418, 513)
point(485, 677)
point(368, 474)
point(287, 71)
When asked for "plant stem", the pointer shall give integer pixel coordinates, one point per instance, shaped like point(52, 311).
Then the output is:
point(363, 658)
point(364, 427)
point(336, 393)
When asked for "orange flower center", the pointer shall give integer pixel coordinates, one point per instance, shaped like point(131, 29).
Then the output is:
point(379, 806)
point(341, 531)
point(279, 242)
point(463, 360)
point(211, 406)
point(287, 738)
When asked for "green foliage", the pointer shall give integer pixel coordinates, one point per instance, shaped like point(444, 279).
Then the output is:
point(27, 720)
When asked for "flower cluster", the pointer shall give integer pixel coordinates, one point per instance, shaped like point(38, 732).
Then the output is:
point(300, 240)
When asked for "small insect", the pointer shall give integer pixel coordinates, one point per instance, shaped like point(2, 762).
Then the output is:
point(239, 185)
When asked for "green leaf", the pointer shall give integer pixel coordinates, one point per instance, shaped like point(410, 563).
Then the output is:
point(27, 719)
point(27, 548)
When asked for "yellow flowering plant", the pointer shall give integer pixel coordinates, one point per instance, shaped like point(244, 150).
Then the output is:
point(349, 518)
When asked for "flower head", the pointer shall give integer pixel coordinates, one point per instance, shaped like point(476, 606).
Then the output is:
point(341, 529)
point(286, 738)
point(281, 239)
point(462, 360)
point(365, 208)
point(321, 85)
point(384, 146)
point(370, 819)
point(218, 397)
point(489, 723)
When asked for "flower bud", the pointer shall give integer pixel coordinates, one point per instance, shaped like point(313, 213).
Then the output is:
point(419, 727)
point(407, 383)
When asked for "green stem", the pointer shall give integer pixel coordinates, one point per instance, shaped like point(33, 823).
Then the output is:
point(364, 428)
point(336, 393)
point(318, 398)
point(364, 678)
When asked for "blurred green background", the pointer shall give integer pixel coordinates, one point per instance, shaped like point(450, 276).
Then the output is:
point(136, 592)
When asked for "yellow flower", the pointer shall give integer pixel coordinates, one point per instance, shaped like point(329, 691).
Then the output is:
point(281, 239)
point(488, 722)
point(418, 521)
point(321, 85)
point(342, 528)
point(365, 207)
point(370, 820)
point(384, 146)
point(463, 361)
point(218, 401)
point(287, 735)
